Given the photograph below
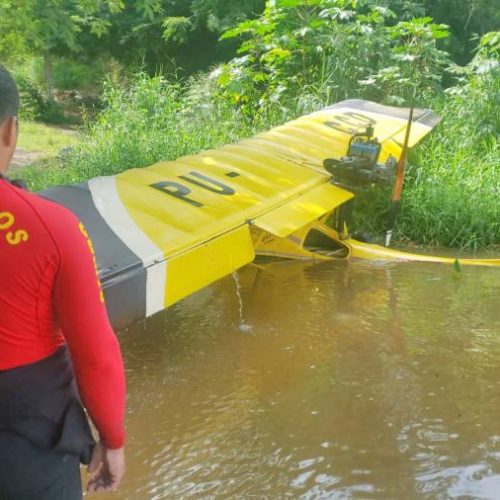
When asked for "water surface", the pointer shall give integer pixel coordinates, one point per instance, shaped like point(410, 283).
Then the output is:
point(346, 380)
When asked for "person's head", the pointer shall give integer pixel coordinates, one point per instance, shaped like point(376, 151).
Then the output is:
point(9, 107)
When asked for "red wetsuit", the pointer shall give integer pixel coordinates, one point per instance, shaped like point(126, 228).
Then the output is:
point(49, 296)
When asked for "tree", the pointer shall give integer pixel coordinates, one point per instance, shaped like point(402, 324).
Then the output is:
point(318, 48)
point(468, 20)
point(173, 35)
point(50, 27)
point(416, 64)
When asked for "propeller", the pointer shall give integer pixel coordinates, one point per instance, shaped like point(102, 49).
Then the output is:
point(397, 191)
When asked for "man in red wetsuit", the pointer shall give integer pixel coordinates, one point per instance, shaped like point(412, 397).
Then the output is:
point(57, 348)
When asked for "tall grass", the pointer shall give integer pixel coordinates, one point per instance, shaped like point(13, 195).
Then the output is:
point(453, 191)
point(451, 196)
point(452, 187)
point(145, 121)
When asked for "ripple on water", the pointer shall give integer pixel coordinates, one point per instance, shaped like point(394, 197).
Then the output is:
point(353, 381)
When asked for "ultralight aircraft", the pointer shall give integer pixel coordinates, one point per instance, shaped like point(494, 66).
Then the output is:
point(163, 232)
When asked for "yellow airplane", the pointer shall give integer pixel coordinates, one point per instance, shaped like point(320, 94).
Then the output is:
point(163, 232)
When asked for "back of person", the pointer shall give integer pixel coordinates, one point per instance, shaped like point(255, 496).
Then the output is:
point(58, 352)
point(36, 382)
point(29, 260)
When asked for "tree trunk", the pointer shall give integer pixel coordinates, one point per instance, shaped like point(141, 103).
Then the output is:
point(48, 74)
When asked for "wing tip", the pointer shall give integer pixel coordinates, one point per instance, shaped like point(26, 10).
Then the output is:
point(424, 116)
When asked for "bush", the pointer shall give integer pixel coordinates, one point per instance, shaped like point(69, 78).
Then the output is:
point(35, 105)
point(144, 121)
point(68, 74)
point(452, 188)
point(33, 102)
point(454, 192)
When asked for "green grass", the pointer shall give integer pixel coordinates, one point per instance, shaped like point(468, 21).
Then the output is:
point(45, 139)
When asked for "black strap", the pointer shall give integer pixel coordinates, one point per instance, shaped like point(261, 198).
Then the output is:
point(40, 402)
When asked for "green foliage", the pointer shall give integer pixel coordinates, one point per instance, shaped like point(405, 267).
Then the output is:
point(477, 96)
point(183, 33)
point(467, 20)
point(331, 49)
point(32, 100)
point(175, 35)
point(49, 25)
point(144, 121)
point(34, 104)
point(70, 75)
point(459, 167)
point(219, 15)
point(67, 74)
point(415, 66)
point(453, 181)
point(177, 29)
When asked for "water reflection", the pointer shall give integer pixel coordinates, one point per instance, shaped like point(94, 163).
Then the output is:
point(351, 381)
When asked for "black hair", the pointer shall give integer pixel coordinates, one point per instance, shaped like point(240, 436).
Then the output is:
point(9, 95)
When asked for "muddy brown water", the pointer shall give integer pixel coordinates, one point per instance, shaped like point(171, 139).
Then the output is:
point(345, 380)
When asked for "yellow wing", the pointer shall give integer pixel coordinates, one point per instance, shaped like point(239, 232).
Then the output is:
point(165, 231)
